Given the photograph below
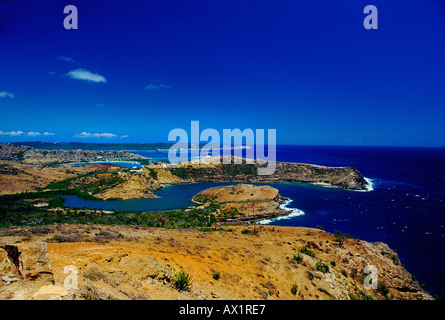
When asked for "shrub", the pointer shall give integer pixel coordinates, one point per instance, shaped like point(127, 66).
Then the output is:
point(307, 251)
point(333, 263)
point(216, 274)
point(382, 288)
point(248, 231)
point(352, 296)
point(298, 257)
point(322, 267)
point(395, 259)
point(294, 289)
point(341, 238)
point(182, 281)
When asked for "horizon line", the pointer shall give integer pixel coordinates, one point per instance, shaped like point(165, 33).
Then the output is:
point(204, 143)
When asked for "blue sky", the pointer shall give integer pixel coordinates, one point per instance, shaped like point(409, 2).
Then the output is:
point(134, 70)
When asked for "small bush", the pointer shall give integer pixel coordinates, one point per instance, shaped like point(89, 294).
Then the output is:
point(307, 251)
point(340, 238)
point(382, 288)
point(298, 257)
point(333, 263)
point(216, 275)
point(395, 259)
point(322, 267)
point(248, 231)
point(294, 289)
point(352, 296)
point(182, 281)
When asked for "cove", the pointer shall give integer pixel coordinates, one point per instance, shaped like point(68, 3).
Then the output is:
point(172, 197)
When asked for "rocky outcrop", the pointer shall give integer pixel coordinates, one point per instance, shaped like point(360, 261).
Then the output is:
point(27, 261)
point(342, 177)
point(25, 273)
point(243, 201)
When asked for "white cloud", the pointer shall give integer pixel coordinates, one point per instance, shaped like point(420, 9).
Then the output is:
point(11, 133)
point(82, 74)
point(124, 136)
point(94, 135)
point(153, 86)
point(67, 59)
point(5, 94)
point(34, 134)
point(104, 135)
point(21, 133)
point(83, 135)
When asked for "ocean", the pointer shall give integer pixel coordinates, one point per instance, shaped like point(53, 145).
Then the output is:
point(405, 209)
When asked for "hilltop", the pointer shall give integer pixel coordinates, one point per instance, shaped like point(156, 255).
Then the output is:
point(243, 201)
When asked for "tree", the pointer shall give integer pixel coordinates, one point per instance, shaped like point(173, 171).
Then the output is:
point(341, 238)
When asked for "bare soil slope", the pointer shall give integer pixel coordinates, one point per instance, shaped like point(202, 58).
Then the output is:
point(141, 263)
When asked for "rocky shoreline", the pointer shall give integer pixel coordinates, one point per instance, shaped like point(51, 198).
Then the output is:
point(343, 177)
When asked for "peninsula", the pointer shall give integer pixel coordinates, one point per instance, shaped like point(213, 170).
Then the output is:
point(205, 251)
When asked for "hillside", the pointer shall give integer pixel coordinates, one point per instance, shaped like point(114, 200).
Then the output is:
point(142, 263)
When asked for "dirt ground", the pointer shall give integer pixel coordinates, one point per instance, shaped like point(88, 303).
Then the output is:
point(142, 263)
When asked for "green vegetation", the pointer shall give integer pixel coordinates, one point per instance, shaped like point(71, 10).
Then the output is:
point(201, 198)
point(216, 274)
point(153, 173)
point(19, 210)
point(182, 281)
point(352, 296)
point(230, 213)
point(294, 289)
point(383, 288)
point(85, 185)
point(395, 259)
point(227, 172)
point(53, 164)
point(341, 238)
point(298, 257)
point(322, 267)
point(307, 251)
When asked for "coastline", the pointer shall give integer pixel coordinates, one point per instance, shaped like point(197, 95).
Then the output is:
point(293, 212)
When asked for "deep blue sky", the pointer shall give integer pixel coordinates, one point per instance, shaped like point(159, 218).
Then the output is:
point(308, 69)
